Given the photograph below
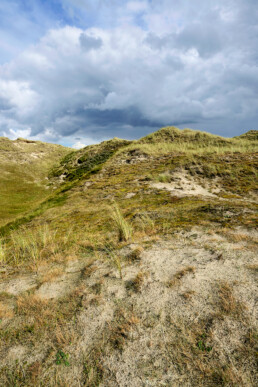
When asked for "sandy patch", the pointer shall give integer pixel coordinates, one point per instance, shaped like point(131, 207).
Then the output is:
point(183, 184)
point(19, 285)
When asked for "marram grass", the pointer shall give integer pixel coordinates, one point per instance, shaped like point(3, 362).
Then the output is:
point(124, 228)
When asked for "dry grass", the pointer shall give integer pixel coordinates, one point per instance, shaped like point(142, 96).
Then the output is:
point(32, 305)
point(194, 353)
point(93, 371)
point(118, 330)
point(88, 269)
point(2, 253)
point(253, 267)
point(5, 311)
point(193, 149)
point(188, 295)
point(112, 338)
point(238, 237)
point(177, 277)
point(227, 304)
point(123, 227)
point(34, 371)
point(136, 283)
point(144, 224)
point(135, 254)
point(28, 246)
point(52, 275)
point(112, 256)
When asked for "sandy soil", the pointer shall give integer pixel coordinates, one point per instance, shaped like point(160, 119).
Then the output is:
point(164, 302)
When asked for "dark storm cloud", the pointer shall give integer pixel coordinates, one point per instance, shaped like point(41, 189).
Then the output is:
point(129, 116)
point(142, 65)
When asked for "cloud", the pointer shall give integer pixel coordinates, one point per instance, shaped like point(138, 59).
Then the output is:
point(149, 66)
point(137, 6)
point(23, 22)
point(78, 145)
point(90, 42)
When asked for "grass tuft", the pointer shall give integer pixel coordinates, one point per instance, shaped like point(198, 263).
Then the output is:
point(136, 283)
point(2, 253)
point(227, 303)
point(177, 277)
point(125, 230)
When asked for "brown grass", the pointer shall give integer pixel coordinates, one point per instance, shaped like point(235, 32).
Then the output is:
point(5, 311)
point(253, 267)
point(193, 352)
point(119, 328)
point(89, 269)
point(52, 274)
point(177, 277)
point(135, 255)
point(34, 370)
point(226, 302)
point(136, 283)
point(188, 295)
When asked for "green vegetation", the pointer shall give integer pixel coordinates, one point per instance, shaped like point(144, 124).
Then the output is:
point(62, 358)
point(123, 245)
point(24, 167)
point(87, 161)
point(124, 228)
point(148, 211)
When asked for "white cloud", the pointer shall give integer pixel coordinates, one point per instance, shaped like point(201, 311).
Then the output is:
point(14, 134)
point(123, 81)
point(19, 95)
point(78, 145)
point(137, 6)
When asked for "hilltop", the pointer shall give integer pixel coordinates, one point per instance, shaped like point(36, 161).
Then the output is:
point(136, 267)
point(24, 167)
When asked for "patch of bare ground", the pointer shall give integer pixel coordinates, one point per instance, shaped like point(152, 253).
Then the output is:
point(183, 313)
point(181, 184)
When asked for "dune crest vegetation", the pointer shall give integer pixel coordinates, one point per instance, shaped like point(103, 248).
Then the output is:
point(129, 263)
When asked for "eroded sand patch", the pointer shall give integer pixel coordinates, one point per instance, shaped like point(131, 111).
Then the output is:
point(183, 184)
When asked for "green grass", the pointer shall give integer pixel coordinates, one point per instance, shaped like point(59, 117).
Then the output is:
point(88, 160)
point(75, 221)
point(24, 168)
point(123, 226)
point(149, 212)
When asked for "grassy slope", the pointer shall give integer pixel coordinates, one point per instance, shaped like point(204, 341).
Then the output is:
point(24, 168)
point(116, 167)
point(79, 225)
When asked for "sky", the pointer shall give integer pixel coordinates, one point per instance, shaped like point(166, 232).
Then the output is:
point(76, 72)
